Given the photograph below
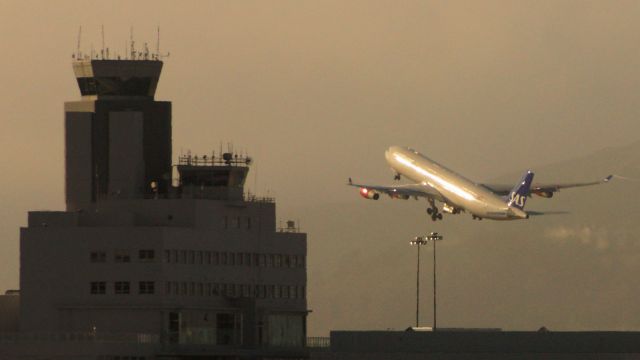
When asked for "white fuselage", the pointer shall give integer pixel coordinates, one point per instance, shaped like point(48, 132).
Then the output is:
point(456, 190)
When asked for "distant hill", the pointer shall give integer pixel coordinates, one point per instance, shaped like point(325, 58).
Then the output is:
point(575, 271)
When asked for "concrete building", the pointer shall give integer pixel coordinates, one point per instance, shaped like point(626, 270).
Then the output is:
point(177, 255)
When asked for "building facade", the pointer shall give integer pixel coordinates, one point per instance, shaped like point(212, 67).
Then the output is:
point(175, 252)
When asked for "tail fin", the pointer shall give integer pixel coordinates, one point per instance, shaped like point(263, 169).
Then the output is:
point(518, 196)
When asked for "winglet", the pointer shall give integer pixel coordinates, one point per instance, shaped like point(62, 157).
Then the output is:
point(350, 182)
point(608, 178)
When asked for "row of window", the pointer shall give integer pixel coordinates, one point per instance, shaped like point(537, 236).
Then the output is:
point(122, 256)
point(233, 259)
point(121, 287)
point(260, 291)
point(204, 258)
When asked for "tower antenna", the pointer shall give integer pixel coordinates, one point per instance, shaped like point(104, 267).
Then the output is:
point(133, 48)
point(102, 49)
point(78, 46)
point(158, 45)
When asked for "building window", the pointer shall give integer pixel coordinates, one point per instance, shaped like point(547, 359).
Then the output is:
point(183, 256)
point(239, 259)
point(98, 257)
point(122, 256)
point(146, 255)
point(215, 258)
point(192, 257)
point(146, 287)
point(270, 260)
point(238, 222)
point(183, 288)
point(248, 223)
point(167, 256)
point(121, 287)
point(263, 260)
point(226, 222)
point(98, 287)
point(223, 258)
point(199, 257)
point(247, 259)
point(287, 261)
point(207, 257)
point(278, 262)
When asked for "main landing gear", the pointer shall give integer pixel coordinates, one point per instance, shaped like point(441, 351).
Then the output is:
point(476, 217)
point(433, 211)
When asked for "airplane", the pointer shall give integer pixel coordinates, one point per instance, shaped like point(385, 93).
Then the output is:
point(457, 193)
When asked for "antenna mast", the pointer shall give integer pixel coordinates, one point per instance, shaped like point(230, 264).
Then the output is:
point(158, 45)
point(78, 46)
point(133, 48)
point(102, 49)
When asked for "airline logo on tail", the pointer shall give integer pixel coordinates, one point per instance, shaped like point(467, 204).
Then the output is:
point(519, 194)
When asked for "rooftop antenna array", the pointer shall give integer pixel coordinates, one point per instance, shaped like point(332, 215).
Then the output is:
point(131, 53)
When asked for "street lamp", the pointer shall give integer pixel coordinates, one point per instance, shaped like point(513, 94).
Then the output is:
point(419, 241)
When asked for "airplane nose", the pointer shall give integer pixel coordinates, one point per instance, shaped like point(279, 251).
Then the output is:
point(387, 154)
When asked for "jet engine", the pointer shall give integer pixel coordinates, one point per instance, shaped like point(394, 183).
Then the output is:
point(450, 209)
point(369, 194)
point(545, 194)
point(400, 196)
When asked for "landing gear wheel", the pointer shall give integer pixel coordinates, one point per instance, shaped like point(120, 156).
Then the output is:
point(429, 211)
point(439, 216)
point(434, 217)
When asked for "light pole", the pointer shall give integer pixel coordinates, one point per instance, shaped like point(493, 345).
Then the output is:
point(419, 241)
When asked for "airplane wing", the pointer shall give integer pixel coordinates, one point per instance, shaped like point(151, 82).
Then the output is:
point(539, 213)
point(544, 190)
point(399, 191)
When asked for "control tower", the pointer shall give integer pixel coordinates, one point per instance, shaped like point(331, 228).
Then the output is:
point(176, 254)
point(117, 137)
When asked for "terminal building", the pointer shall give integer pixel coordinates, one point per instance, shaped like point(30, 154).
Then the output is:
point(152, 259)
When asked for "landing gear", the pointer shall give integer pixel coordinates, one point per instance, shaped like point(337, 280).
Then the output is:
point(476, 217)
point(396, 177)
point(433, 211)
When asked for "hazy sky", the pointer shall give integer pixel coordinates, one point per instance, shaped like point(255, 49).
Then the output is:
point(316, 91)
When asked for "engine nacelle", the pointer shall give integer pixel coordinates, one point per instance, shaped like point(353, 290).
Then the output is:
point(400, 196)
point(450, 209)
point(544, 194)
point(369, 194)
